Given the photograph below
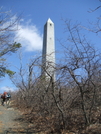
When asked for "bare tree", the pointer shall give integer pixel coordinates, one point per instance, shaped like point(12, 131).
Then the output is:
point(8, 24)
point(70, 100)
point(25, 79)
point(94, 26)
point(82, 57)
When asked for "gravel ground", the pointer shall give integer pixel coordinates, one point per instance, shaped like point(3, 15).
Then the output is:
point(12, 122)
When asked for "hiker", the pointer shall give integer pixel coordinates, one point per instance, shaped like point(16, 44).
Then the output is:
point(5, 97)
point(8, 97)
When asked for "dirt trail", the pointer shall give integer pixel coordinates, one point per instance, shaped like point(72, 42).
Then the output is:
point(12, 122)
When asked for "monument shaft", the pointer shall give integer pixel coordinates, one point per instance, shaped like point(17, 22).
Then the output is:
point(48, 54)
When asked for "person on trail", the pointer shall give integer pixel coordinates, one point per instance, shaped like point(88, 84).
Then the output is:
point(5, 97)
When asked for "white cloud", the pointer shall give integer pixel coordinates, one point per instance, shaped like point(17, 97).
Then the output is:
point(7, 89)
point(27, 34)
point(29, 37)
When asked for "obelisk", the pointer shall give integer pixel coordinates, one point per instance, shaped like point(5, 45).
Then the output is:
point(48, 52)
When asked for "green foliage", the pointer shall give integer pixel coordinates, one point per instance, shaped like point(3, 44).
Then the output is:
point(4, 71)
point(15, 47)
point(8, 26)
point(8, 49)
point(9, 72)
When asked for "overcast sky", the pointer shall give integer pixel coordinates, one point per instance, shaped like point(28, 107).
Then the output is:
point(35, 13)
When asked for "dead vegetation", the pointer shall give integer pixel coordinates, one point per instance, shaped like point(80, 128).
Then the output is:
point(72, 103)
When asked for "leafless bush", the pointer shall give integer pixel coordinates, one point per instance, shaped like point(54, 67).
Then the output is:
point(70, 100)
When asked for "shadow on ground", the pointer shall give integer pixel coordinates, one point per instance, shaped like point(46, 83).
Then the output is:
point(20, 131)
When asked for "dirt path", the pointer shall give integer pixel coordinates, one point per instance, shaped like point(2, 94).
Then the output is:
point(12, 122)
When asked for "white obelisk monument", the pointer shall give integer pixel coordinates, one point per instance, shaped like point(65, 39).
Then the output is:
point(48, 53)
